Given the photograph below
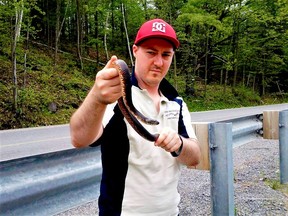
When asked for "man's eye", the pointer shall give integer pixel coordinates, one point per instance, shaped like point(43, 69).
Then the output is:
point(151, 52)
point(166, 55)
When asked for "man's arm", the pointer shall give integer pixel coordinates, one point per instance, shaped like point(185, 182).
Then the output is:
point(86, 123)
point(190, 154)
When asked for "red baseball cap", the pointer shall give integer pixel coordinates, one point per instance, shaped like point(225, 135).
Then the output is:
point(157, 28)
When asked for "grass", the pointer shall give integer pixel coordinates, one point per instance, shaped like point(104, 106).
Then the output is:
point(216, 98)
point(276, 185)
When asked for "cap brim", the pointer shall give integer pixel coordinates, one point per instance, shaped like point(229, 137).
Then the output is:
point(175, 43)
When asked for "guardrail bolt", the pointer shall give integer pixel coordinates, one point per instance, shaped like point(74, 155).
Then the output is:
point(260, 131)
point(259, 117)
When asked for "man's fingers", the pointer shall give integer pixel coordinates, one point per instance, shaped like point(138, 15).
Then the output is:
point(110, 63)
point(108, 72)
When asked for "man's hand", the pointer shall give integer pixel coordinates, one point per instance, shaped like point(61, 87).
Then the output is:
point(107, 87)
point(168, 140)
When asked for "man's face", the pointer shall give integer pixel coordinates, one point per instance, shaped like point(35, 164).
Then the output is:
point(153, 59)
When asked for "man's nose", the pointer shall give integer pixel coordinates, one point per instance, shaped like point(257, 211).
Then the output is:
point(158, 60)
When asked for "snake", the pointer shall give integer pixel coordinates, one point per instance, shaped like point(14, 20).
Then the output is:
point(125, 103)
point(126, 86)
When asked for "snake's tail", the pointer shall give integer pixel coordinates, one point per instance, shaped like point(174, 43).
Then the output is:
point(144, 119)
point(135, 124)
point(137, 113)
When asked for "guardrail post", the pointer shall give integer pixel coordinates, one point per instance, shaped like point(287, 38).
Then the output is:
point(202, 133)
point(221, 162)
point(271, 124)
point(283, 146)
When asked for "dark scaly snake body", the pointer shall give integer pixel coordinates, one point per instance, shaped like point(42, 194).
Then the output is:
point(136, 125)
point(124, 74)
point(127, 108)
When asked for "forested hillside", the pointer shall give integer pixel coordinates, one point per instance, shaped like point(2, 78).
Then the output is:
point(232, 52)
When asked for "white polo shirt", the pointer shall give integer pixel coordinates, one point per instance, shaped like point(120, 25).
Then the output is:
point(140, 179)
point(153, 174)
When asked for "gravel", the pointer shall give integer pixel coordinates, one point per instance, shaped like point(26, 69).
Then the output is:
point(255, 164)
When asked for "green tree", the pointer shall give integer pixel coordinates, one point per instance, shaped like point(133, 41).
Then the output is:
point(199, 31)
point(265, 41)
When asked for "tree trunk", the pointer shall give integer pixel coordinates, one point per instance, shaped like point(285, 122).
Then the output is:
point(127, 36)
point(105, 35)
point(236, 52)
point(254, 81)
point(25, 55)
point(263, 83)
point(225, 80)
point(85, 35)
point(221, 77)
point(243, 76)
point(96, 33)
point(248, 80)
point(57, 30)
point(175, 73)
point(206, 63)
point(145, 9)
point(78, 3)
point(48, 23)
point(15, 37)
point(59, 27)
point(112, 6)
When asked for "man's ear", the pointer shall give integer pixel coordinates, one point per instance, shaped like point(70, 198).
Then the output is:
point(134, 49)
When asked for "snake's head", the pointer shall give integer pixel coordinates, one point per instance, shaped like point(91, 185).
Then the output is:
point(122, 65)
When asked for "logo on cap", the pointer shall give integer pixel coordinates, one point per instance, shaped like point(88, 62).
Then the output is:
point(158, 26)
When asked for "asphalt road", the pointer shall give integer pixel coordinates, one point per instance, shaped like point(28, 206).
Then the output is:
point(229, 114)
point(19, 143)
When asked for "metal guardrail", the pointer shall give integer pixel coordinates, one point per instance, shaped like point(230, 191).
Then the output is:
point(246, 129)
point(224, 136)
point(51, 183)
point(283, 146)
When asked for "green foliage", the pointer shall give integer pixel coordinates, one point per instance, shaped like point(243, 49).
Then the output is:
point(216, 98)
point(5, 12)
point(244, 40)
point(64, 87)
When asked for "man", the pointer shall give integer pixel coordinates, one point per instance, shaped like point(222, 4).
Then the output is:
point(139, 177)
